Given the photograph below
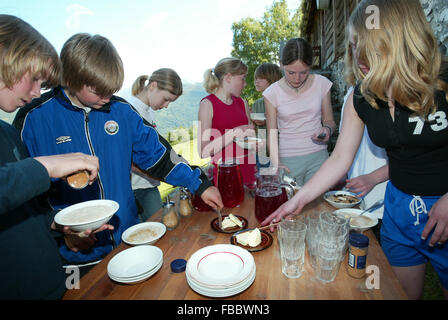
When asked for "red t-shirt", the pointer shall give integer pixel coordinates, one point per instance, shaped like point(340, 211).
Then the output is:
point(226, 117)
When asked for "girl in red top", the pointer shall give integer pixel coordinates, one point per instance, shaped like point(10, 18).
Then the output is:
point(224, 115)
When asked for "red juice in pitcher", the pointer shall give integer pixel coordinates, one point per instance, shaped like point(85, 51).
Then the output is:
point(267, 199)
point(230, 184)
point(284, 195)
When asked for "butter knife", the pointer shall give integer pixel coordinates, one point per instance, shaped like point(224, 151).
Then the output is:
point(219, 218)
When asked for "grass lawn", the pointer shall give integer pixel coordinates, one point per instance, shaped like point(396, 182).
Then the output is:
point(432, 289)
point(188, 150)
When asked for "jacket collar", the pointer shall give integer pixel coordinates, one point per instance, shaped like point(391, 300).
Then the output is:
point(60, 94)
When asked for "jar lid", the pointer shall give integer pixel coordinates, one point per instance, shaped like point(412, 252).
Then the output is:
point(184, 197)
point(168, 204)
point(178, 265)
point(358, 240)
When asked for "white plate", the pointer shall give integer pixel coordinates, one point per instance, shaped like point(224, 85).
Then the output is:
point(247, 142)
point(158, 228)
point(134, 262)
point(358, 224)
point(87, 215)
point(220, 265)
point(138, 278)
point(341, 205)
point(217, 287)
point(258, 116)
point(221, 293)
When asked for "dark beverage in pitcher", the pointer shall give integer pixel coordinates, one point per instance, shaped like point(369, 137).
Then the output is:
point(230, 184)
point(267, 199)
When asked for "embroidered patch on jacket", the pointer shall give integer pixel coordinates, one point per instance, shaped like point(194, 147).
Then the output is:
point(63, 139)
point(111, 127)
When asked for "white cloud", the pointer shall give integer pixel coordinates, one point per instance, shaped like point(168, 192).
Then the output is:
point(75, 11)
point(155, 19)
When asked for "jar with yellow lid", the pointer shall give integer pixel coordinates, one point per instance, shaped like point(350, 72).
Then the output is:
point(357, 255)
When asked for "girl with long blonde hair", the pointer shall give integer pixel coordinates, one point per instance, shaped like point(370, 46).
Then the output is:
point(402, 99)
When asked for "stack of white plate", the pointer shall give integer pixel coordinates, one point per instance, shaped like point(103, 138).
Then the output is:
point(220, 270)
point(135, 264)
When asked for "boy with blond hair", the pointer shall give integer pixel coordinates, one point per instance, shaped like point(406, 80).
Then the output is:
point(31, 267)
point(83, 115)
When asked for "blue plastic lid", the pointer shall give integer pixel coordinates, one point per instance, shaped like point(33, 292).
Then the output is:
point(178, 265)
point(358, 240)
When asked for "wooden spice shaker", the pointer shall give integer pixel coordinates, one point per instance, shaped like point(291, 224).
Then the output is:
point(170, 217)
point(357, 255)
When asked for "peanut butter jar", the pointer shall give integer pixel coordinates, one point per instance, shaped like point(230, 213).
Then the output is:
point(357, 255)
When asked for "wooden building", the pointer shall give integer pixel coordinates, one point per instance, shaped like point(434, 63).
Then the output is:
point(324, 25)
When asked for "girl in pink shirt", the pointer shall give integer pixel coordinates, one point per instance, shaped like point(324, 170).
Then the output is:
point(299, 114)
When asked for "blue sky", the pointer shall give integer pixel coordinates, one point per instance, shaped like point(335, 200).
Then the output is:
point(186, 35)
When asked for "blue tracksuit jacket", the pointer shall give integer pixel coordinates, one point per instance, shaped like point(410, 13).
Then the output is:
point(118, 136)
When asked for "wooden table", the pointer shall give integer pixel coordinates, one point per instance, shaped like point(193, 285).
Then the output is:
point(195, 232)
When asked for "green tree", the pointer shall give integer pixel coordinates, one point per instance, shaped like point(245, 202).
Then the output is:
point(258, 41)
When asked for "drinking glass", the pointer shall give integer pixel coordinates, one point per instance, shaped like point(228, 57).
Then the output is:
point(327, 267)
point(328, 256)
point(333, 225)
point(312, 221)
point(291, 235)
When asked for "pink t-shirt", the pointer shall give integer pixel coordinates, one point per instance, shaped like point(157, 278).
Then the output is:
point(298, 116)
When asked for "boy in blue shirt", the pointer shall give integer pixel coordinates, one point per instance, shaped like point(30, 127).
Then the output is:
point(83, 115)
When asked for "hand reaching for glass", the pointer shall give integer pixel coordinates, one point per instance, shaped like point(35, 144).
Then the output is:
point(287, 210)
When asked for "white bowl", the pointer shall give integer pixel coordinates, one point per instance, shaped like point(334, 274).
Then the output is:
point(358, 223)
point(260, 116)
point(87, 215)
point(247, 142)
point(134, 262)
point(340, 205)
point(144, 233)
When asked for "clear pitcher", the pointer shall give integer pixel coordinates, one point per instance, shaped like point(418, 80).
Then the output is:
point(270, 193)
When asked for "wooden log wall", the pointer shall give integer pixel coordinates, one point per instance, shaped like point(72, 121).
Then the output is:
point(331, 25)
